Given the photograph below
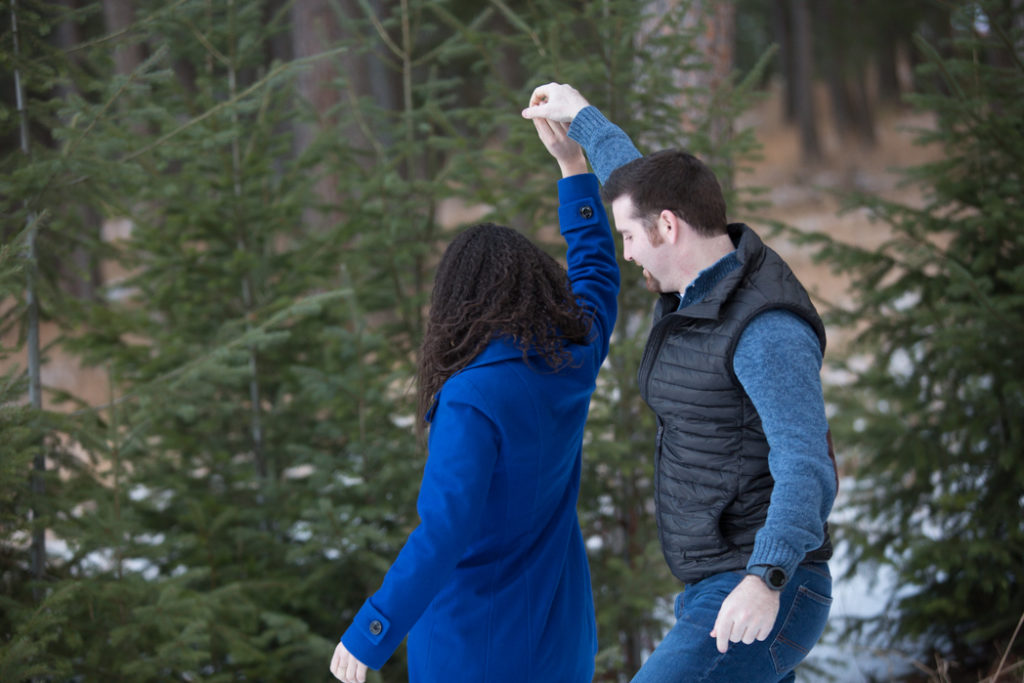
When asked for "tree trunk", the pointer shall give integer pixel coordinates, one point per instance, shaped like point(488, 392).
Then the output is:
point(716, 41)
point(782, 27)
point(803, 85)
point(119, 15)
point(318, 26)
point(889, 90)
point(82, 275)
point(38, 547)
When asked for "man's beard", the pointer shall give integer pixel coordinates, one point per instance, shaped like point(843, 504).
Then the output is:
point(652, 283)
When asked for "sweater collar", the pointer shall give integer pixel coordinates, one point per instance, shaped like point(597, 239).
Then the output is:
point(713, 286)
point(707, 279)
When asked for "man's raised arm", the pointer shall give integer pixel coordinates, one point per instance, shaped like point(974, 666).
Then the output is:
point(607, 146)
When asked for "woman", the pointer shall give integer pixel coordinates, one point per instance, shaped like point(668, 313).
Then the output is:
point(493, 584)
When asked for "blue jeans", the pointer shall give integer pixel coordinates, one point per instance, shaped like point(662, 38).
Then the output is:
point(688, 654)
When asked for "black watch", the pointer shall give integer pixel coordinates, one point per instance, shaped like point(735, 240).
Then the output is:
point(775, 578)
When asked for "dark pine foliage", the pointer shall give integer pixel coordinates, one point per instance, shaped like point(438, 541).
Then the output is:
point(932, 420)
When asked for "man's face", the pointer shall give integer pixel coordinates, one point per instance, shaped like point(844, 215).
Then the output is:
point(643, 247)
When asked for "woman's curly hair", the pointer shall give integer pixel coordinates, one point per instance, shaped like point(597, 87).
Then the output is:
point(492, 282)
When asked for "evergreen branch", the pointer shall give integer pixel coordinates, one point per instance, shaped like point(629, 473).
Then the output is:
point(955, 266)
point(126, 30)
point(1011, 49)
point(260, 118)
point(190, 368)
point(452, 21)
point(271, 75)
point(156, 56)
point(372, 16)
point(521, 25)
point(207, 44)
point(937, 61)
point(360, 120)
point(972, 113)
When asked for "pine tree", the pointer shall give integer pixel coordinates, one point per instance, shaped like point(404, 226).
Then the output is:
point(933, 426)
point(50, 186)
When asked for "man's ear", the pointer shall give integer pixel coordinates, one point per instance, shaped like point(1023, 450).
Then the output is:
point(670, 226)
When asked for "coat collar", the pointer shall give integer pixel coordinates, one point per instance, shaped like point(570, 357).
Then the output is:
point(497, 350)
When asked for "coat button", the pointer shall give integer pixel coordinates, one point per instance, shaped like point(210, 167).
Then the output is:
point(586, 212)
point(376, 627)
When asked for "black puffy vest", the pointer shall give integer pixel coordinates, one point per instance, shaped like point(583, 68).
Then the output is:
point(711, 483)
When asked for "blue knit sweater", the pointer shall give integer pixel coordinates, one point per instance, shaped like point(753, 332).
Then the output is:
point(778, 362)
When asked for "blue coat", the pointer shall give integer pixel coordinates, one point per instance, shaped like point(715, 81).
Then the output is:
point(493, 585)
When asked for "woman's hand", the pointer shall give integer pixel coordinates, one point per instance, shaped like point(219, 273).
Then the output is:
point(566, 151)
point(346, 667)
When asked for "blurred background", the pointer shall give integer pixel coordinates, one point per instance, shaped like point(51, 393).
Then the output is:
point(219, 224)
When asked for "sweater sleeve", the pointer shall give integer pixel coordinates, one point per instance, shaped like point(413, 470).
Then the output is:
point(463, 451)
point(778, 362)
point(590, 256)
point(607, 146)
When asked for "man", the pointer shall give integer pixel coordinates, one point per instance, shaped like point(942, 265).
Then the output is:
point(744, 480)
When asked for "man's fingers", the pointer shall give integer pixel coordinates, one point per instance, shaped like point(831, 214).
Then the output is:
point(336, 663)
point(536, 111)
point(540, 94)
point(721, 633)
point(350, 670)
point(361, 673)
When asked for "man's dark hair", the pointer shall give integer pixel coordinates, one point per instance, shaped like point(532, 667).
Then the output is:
point(670, 179)
point(492, 281)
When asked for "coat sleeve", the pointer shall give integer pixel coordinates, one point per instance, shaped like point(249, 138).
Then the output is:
point(593, 270)
point(463, 450)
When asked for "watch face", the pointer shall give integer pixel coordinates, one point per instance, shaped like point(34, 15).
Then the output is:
point(776, 577)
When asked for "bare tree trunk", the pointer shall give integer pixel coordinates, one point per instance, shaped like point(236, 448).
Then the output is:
point(803, 86)
point(889, 88)
point(38, 487)
point(716, 40)
point(119, 15)
point(782, 27)
point(82, 275)
point(248, 301)
point(318, 26)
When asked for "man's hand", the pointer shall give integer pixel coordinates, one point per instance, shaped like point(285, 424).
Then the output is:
point(747, 614)
point(565, 150)
point(346, 667)
point(555, 102)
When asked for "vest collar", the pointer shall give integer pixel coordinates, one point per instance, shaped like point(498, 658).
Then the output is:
point(749, 250)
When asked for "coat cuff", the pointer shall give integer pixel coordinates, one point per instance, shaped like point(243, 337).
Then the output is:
point(371, 638)
point(580, 203)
